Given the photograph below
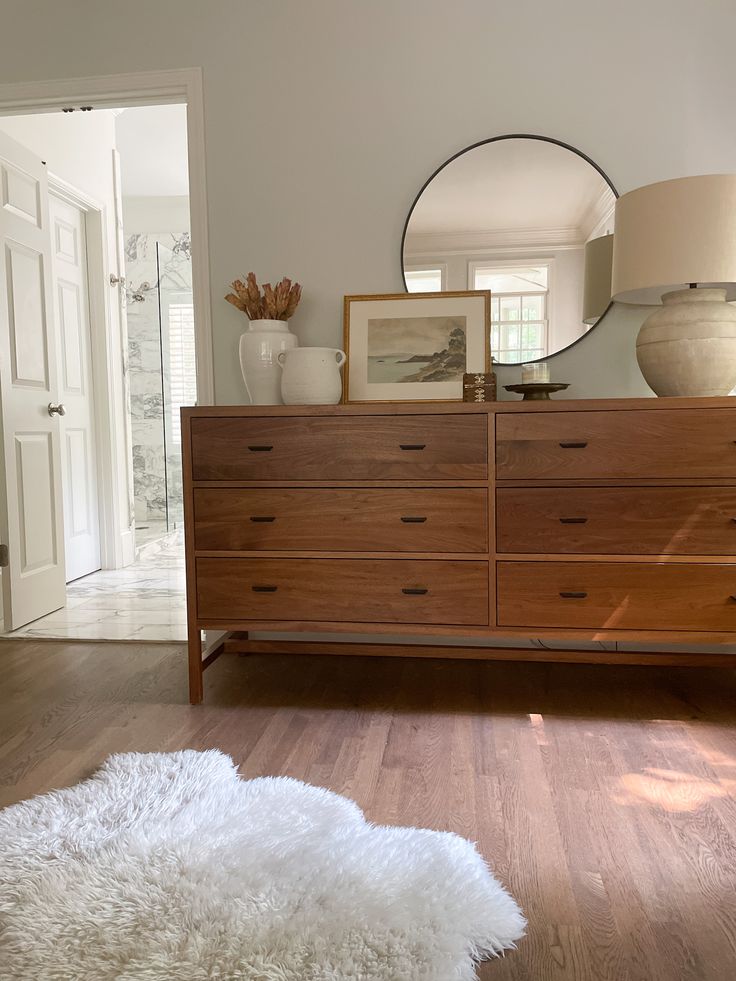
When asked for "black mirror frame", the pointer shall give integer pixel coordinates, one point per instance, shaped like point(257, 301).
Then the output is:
point(496, 139)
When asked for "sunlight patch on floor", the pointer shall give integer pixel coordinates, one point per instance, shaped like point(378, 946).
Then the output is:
point(670, 790)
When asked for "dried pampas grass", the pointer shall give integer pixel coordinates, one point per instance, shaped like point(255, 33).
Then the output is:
point(267, 302)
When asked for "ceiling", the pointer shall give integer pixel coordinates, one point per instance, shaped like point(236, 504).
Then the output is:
point(512, 185)
point(152, 142)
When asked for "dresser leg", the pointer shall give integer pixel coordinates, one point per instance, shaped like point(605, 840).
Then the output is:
point(196, 668)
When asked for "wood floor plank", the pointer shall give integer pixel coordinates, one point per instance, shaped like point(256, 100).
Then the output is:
point(603, 797)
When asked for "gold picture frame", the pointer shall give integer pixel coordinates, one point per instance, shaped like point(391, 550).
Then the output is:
point(436, 316)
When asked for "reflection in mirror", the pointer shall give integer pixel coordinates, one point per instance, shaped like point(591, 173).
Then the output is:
point(513, 215)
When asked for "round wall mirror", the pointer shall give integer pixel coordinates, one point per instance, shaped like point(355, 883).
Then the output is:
point(530, 219)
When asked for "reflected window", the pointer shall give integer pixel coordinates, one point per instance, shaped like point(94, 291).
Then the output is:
point(424, 280)
point(519, 301)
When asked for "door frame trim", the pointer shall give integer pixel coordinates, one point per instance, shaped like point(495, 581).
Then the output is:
point(173, 86)
point(116, 538)
point(169, 87)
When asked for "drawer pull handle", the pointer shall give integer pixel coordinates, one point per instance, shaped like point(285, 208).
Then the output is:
point(260, 449)
point(573, 595)
point(263, 518)
point(412, 446)
point(414, 590)
point(264, 589)
point(566, 521)
point(410, 520)
point(573, 446)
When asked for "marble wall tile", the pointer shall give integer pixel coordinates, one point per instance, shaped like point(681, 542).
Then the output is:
point(153, 463)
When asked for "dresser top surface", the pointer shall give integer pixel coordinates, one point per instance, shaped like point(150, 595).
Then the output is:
point(461, 408)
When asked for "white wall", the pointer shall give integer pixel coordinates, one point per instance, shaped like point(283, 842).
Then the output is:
point(324, 118)
point(152, 141)
point(149, 214)
point(566, 315)
point(76, 147)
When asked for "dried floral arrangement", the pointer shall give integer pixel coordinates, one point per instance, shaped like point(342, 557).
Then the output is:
point(265, 302)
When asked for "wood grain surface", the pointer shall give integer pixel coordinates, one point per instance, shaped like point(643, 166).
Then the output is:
point(373, 519)
point(380, 590)
point(326, 463)
point(621, 520)
point(314, 447)
point(603, 798)
point(638, 443)
point(621, 595)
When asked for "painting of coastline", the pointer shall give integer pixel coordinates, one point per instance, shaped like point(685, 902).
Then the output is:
point(416, 349)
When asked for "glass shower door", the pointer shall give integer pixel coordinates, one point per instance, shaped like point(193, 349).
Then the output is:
point(178, 369)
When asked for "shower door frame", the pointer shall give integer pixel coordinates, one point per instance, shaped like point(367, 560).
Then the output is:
point(170, 87)
point(165, 293)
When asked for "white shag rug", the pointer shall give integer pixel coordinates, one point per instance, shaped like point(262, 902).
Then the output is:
point(169, 866)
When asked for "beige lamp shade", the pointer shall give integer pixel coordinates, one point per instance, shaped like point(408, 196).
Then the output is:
point(672, 234)
point(597, 278)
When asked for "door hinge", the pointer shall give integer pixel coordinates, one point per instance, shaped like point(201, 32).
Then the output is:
point(4, 557)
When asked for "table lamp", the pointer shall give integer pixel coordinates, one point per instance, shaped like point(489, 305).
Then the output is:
point(597, 278)
point(675, 244)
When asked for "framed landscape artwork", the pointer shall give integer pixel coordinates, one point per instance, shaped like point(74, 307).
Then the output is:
point(414, 347)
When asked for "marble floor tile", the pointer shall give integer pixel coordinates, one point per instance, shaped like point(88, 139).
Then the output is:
point(106, 630)
point(148, 531)
point(110, 601)
point(145, 601)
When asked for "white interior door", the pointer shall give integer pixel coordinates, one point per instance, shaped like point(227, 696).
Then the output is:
point(31, 522)
point(77, 426)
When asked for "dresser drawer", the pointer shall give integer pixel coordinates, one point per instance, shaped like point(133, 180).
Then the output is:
point(617, 520)
point(342, 520)
point(628, 443)
point(361, 591)
point(340, 448)
point(617, 596)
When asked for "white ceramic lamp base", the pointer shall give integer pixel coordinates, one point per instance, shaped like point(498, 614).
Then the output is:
point(688, 345)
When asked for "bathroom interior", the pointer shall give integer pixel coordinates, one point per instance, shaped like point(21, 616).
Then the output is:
point(161, 373)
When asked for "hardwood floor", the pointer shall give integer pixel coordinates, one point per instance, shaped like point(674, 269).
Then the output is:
point(603, 797)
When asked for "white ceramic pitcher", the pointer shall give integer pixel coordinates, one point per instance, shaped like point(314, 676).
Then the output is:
point(311, 375)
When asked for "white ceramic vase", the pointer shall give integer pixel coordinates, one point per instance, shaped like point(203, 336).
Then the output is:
point(688, 345)
point(260, 345)
point(311, 375)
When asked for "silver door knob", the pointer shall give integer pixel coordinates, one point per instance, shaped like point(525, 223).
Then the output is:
point(57, 410)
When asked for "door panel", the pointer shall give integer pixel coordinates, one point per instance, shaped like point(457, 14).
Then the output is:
point(35, 482)
point(78, 460)
point(30, 503)
point(21, 193)
point(27, 317)
point(66, 240)
point(72, 341)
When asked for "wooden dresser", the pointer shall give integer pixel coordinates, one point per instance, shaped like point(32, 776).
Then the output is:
point(566, 520)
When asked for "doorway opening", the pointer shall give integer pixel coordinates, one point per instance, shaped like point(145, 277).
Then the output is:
point(118, 350)
point(159, 306)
